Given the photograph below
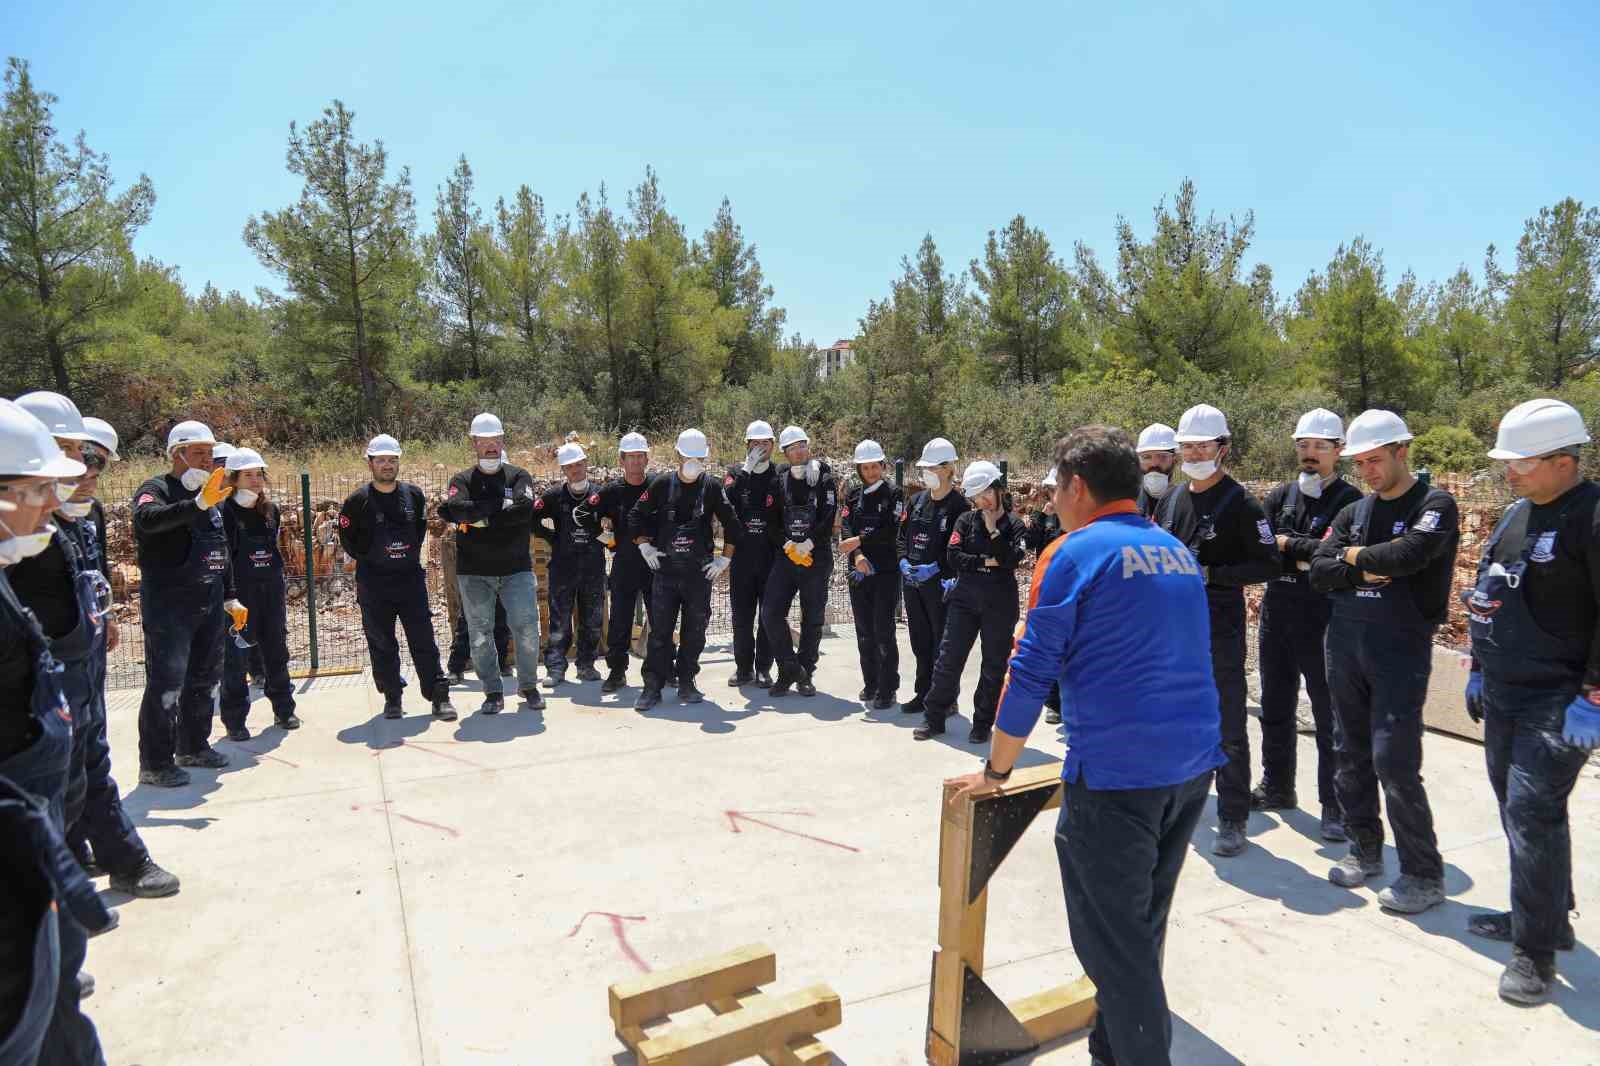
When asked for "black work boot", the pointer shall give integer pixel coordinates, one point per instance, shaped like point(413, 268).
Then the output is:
point(614, 680)
point(1230, 839)
point(865, 695)
point(531, 697)
point(85, 984)
point(444, 710)
point(740, 678)
point(1052, 716)
point(647, 699)
point(1266, 797)
point(979, 734)
point(146, 881)
point(883, 702)
point(927, 731)
point(1333, 826)
point(914, 706)
point(238, 733)
point(687, 693)
point(1525, 980)
point(763, 679)
point(391, 706)
point(781, 686)
point(554, 679)
point(208, 757)
point(804, 686)
point(1497, 926)
point(587, 672)
point(493, 703)
point(169, 777)
point(287, 721)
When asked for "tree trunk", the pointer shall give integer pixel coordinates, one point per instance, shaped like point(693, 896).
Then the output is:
point(58, 362)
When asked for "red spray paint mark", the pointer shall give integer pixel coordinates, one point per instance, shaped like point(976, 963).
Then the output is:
point(406, 817)
point(442, 754)
point(266, 755)
point(617, 930)
point(735, 817)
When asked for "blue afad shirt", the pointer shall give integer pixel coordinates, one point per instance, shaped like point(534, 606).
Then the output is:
point(1117, 614)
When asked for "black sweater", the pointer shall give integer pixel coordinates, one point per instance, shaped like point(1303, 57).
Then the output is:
point(1228, 533)
point(503, 499)
point(1411, 540)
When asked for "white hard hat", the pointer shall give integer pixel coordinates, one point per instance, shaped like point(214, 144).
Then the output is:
point(1049, 481)
point(869, 451)
point(1373, 429)
point(59, 414)
point(792, 435)
point(188, 433)
point(692, 444)
point(246, 459)
point(570, 453)
point(758, 430)
point(937, 452)
point(1322, 424)
point(1157, 437)
point(978, 476)
point(1201, 422)
point(383, 444)
point(221, 450)
point(487, 425)
point(1537, 428)
point(633, 442)
point(28, 449)
point(104, 434)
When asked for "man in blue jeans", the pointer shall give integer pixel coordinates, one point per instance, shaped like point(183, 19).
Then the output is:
point(1109, 617)
point(491, 504)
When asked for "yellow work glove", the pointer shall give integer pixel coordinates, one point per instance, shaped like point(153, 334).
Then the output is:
point(214, 491)
point(796, 555)
point(238, 612)
point(609, 539)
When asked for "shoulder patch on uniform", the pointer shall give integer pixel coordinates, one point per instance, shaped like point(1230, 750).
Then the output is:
point(538, 503)
point(1544, 549)
point(142, 500)
point(645, 495)
point(844, 512)
point(1265, 529)
point(769, 499)
point(454, 489)
point(344, 521)
point(955, 538)
point(728, 480)
point(1326, 533)
point(594, 499)
point(1400, 527)
point(1428, 522)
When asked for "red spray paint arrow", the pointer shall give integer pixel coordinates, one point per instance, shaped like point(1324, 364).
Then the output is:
point(735, 817)
point(618, 931)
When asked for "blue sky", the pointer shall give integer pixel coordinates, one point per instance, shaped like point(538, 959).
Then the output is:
point(844, 132)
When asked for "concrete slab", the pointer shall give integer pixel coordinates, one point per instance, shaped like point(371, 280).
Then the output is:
point(443, 893)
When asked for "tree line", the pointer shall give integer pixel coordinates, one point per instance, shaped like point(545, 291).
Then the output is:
point(614, 316)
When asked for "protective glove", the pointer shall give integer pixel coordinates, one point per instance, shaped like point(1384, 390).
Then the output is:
point(1475, 695)
point(926, 572)
point(858, 575)
point(652, 556)
point(505, 505)
point(947, 584)
point(798, 558)
point(609, 539)
point(214, 491)
point(548, 523)
point(715, 567)
point(1582, 729)
point(906, 571)
point(238, 612)
point(813, 472)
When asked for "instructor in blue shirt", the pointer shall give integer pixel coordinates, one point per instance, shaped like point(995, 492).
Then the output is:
point(1112, 615)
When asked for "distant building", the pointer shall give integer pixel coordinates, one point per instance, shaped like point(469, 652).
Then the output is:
point(835, 358)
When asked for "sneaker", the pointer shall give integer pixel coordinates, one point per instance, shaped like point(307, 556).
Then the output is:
point(1052, 717)
point(647, 699)
point(763, 679)
point(804, 686)
point(89, 864)
point(614, 680)
point(781, 686)
point(391, 706)
point(1497, 926)
point(555, 680)
point(740, 678)
point(288, 721)
point(883, 702)
point(915, 706)
point(209, 758)
point(687, 693)
point(444, 710)
point(1333, 827)
point(146, 881)
point(171, 777)
point(587, 672)
point(86, 984)
point(238, 733)
point(927, 732)
point(1412, 895)
point(979, 735)
point(1230, 839)
point(493, 703)
point(1266, 798)
point(531, 697)
point(1526, 981)
point(1353, 870)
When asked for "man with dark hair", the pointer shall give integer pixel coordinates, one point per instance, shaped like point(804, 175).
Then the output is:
point(1142, 714)
point(1387, 560)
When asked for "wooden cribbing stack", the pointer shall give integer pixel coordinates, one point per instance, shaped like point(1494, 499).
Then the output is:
point(968, 1025)
point(780, 1028)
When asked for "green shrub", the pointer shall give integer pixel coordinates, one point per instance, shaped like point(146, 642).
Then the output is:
point(1448, 449)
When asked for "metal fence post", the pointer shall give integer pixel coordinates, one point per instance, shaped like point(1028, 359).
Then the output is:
point(311, 564)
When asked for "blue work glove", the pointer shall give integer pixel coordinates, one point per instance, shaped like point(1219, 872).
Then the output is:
point(857, 576)
point(947, 584)
point(1475, 695)
point(905, 571)
point(1582, 729)
point(927, 572)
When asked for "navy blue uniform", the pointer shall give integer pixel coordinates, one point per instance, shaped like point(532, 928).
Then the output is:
point(383, 533)
point(806, 512)
point(982, 605)
point(258, 582)
point(875, 517)
point(755, 500)
point(629, 580)
point(184, 577)
point(1294, 620)
point(1379, 652)
point(924, 539)
point(1535, 638)
point(577, 573)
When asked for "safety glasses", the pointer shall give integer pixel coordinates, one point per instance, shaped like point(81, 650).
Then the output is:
point(1525, 467)
point(37, 494)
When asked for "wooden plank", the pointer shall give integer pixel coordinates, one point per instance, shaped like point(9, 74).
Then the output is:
point(800, 1051)
point(956, 944)
point(1061, 1010)
point(767, 1022)
point(666, 991)
point(632, 1035)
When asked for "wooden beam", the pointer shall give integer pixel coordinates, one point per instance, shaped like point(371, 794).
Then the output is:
point(660, 994)
point(1061, 1010)
point(800, 1051)
point(768, 1022)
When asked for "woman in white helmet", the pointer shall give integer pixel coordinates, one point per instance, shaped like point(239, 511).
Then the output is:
point(870, 524)
point(985, 550)
point(925, 527)
point(253, 526)
point(1044, 526)
point(752, 487)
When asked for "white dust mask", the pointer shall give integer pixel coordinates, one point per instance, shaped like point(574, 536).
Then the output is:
point(1155, 483)
point(246, 498)
point(490, 466)
point(78, 510)
point(693, 468)
point(1200, 471)
point(1311, 484)
point(194, 480)
point(19, 548)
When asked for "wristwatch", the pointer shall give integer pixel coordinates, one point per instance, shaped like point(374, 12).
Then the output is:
point(991, 774)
